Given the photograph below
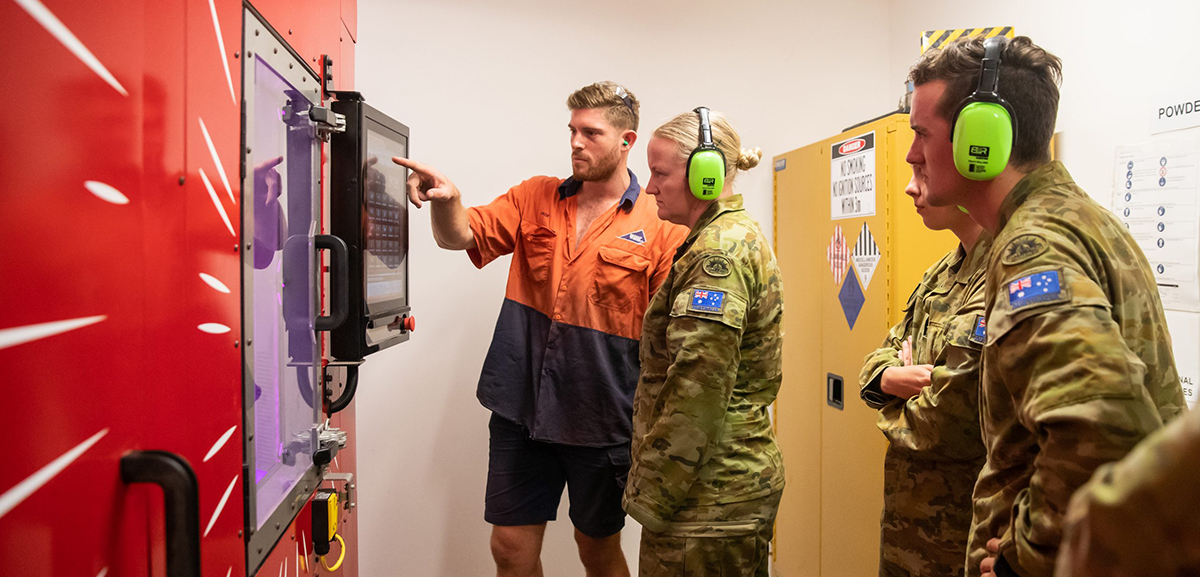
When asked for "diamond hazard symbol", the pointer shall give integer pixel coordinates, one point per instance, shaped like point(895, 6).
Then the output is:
point(838, 255)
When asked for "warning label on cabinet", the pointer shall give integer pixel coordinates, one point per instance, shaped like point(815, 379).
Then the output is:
point(852, 177)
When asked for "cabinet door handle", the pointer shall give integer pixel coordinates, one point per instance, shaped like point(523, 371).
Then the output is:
point(181, 504)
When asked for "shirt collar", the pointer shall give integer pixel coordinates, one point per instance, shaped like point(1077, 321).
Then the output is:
point(570, 187)
point(710, 214)
point(1045, 176)
point(969, 263)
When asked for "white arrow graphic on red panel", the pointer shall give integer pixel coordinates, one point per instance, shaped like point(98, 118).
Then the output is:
point(220, 506)
point(220, 443)
point(14, 496)
point(212, 194)
point(14, 336)
point(212, 151)
point(60, 32)
point(214, 283)
point(105, 192)
point(212, 7)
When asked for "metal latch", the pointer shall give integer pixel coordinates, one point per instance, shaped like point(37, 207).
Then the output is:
point(327, 121)
point(329, 442)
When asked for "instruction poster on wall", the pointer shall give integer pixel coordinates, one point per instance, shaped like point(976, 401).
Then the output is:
point(852, 177)
point(1185, 342)
point(1156, 193)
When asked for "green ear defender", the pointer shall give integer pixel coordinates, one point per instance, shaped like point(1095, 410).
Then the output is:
point(985, 126)
point(706, 165)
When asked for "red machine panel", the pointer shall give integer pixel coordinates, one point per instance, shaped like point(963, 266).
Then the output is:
point(119, 213)
point(71, 336)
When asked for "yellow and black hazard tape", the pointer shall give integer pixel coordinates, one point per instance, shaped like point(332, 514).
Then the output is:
point(938, 38)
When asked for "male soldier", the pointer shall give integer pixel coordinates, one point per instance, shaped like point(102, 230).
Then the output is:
point(1137, 517)
point(1077, 364)
point(589, 251)
point(925, 382)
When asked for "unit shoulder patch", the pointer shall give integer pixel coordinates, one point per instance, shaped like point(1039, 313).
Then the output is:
point(707, 301)
point(717, 266)
point(979, 335)
point(1023, 248)
point(1037, 288)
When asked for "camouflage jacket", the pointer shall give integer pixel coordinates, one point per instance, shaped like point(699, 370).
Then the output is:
point(1137, 517)
point(1077, 367)
point(935, 450)
point(711, 356)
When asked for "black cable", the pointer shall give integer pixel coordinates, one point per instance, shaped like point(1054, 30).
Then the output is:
point(343, 401)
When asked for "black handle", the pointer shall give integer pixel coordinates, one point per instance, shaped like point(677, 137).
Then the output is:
point(833, 391)
point(181, 502)
point(343, 401)
point(339, 307)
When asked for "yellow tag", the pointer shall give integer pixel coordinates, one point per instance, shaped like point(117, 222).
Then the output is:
point(333, 514)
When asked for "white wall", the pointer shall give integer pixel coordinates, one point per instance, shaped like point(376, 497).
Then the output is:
point(1116, 56)
point(483, 87)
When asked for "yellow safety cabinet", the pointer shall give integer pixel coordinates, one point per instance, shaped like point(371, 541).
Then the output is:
point(852, 249)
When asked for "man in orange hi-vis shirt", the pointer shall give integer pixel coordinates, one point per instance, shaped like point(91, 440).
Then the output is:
point(588, 253)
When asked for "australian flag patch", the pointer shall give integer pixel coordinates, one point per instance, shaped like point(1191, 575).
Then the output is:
point(979, 335)
point(707, 301)
point(636, 237)
point(1033, 289)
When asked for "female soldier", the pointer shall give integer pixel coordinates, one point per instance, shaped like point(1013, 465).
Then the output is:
point(707, 476)
point(924, 379)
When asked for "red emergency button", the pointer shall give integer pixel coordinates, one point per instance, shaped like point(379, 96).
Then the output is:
point(410, 324)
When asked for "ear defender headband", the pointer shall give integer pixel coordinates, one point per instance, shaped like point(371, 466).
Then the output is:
point(985, 126)
point(706, 165)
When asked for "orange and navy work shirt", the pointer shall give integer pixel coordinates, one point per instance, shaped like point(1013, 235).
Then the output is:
point(564, 358)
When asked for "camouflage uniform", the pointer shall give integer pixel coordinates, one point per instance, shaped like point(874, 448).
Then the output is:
point(707, 474)
point(1077, 367)
point(1138, 517)
point(935, 450)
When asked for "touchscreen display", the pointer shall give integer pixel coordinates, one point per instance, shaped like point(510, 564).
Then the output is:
point(384, 219)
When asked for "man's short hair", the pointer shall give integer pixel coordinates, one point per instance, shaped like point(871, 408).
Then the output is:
point(1029, 79)
point(620, 105)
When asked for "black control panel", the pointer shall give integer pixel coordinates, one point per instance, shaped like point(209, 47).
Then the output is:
point(369, 210)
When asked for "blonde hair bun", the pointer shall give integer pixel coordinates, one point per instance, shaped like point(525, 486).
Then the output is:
point(749, 158)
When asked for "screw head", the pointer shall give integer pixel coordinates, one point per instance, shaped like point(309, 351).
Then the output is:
point(182, 178)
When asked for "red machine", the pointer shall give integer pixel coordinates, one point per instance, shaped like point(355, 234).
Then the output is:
point(164, 196)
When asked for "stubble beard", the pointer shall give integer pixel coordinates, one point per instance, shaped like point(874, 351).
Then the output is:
point(601, 169)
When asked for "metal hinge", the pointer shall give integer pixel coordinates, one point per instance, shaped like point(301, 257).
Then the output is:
point(327, 121)
point(347, 479)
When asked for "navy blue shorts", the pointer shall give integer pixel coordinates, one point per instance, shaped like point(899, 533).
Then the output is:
point(526, 479)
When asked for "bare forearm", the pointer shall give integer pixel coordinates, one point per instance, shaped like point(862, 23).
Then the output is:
point(451, 228)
